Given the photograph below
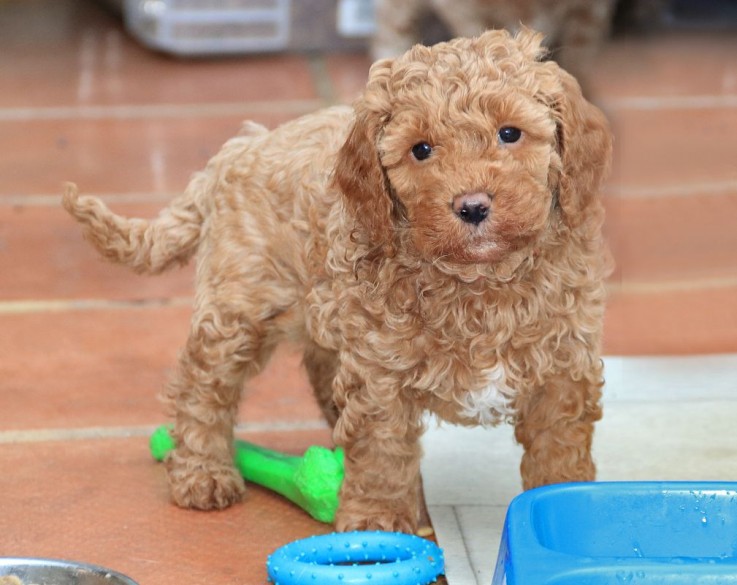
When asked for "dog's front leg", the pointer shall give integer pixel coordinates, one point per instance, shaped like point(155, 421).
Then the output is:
point(380, 431)
point(555, 425)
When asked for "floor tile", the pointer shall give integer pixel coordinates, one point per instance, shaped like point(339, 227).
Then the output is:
point(46, 258)
point(673, 150)
point(660, 320)
point(114, 155)
point(348, 73)
point(685, 440)
point(99, 368)
point(663, 379)
point(106, 502)
point(107, 368)
point(114, 72)
point(666, 65)
point(680, 238)
point(90, 60)
point(482, 531)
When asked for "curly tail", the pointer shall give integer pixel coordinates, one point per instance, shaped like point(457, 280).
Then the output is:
point(146, 246)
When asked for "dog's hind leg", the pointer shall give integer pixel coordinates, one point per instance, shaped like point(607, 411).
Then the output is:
point(321, 365)
point(223, 350)
point(235, 327)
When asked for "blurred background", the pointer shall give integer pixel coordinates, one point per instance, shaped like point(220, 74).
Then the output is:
point(127, 99)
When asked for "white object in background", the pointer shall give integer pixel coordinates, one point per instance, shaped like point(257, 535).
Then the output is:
point(356, 18)
point(197, 27)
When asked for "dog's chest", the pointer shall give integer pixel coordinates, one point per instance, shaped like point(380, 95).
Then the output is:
point(489, 404)
point(462, 347)
point(469, 365)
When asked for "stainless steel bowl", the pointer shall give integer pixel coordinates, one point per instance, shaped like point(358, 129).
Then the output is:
point(33, 571)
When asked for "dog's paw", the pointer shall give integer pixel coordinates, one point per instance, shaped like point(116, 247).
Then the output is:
point(203, 484)
point(372, 518)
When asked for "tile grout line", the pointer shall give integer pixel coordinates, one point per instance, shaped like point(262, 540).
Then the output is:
point(157, 111)
point(660, 103)
point(465, 545)
point(86, 433)
point(675, 286)
point(54, 200)
point(59, 305)
point(451, 539)
point(65, 434)
point(694, 189)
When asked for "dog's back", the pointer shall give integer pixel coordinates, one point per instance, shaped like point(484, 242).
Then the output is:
point(277, 181)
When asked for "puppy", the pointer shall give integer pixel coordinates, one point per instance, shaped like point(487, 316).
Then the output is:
point(437, 247)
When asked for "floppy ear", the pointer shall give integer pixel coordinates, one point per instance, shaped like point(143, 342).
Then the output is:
point(585, 148)
point(358, 172)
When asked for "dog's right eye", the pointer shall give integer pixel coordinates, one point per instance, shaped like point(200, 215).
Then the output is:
point(509, 134)
point(421, 150)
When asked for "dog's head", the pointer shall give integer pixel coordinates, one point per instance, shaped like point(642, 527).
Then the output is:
point(469, 147)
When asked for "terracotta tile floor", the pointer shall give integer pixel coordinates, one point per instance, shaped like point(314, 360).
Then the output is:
point(85, 346)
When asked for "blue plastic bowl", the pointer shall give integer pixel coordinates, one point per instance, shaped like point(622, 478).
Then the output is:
point(621, 533)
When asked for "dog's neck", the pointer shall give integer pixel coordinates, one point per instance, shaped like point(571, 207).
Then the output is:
point(503, 271)
point(408, 266)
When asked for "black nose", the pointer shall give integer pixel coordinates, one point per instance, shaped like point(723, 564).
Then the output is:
point(472, 208)
point(473, 213)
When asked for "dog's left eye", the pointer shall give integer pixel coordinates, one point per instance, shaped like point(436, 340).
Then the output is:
point(509, 134)
point(421, 150)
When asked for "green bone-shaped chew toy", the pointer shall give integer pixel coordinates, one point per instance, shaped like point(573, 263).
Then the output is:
point(312, 481)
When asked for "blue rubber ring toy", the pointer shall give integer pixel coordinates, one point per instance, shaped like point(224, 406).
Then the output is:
point(355, 558)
